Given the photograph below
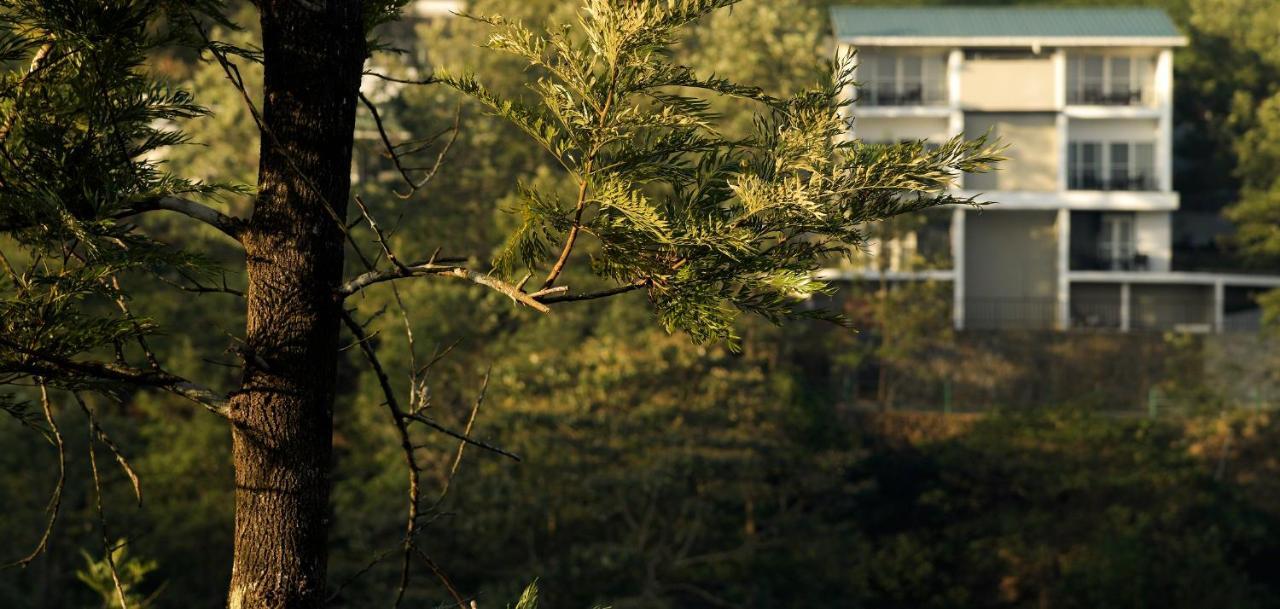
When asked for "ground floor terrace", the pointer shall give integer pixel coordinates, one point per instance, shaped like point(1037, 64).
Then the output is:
point(1065, 269)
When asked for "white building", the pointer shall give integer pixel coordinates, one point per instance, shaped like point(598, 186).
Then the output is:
point(1080, 232)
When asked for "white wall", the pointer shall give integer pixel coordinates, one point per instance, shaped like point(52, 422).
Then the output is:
point(1112, 130)
point(434, 8)
point(1007, 84)
point(1153, 237)
point(1031, 158)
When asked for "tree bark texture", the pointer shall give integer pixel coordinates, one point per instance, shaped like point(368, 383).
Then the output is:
point(282, 423)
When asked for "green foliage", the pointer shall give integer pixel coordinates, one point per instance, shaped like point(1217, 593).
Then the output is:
point(131, 571)
point(1058, 509)
point(711, 225)
point(1258, 212)
point(84, 125)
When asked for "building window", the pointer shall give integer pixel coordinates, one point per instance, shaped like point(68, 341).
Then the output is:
point(1104, 79)
point(1116, 242)
point(902, 79)
point(1111, 166)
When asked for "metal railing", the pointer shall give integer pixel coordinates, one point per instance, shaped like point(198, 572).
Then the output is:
point(1179, 316)
point(1096, 96)
point(1096, 262)
point(888, 94)
point(1093, 181)
point(1010, 313)
point(1091, 314)
point(1095, 314)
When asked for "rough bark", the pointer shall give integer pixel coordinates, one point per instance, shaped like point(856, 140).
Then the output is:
point(282, 415)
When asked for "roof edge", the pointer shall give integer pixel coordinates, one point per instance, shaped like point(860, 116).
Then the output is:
point(1016, 41)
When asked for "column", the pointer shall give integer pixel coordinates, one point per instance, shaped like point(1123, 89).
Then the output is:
point(1059, 59)
point(957, 265)
point(1060, 105)
point(1064, 279)
point(1164, 134)
point(1219, 306)
point(1126, 309)
point(955, 120)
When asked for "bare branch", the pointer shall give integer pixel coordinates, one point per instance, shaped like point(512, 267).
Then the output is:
point(430, 80)
point(466, 431)
point(377, 232)
point(199, 288)
point(398, 418)
point(111, 445)
point(630, 287)
point(420, 418)
point(453, 591)
point(396, 156)
point(229, 225)
point(102, 521)
point(55, 499)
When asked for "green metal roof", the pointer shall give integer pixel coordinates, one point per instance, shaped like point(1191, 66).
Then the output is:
point(1000, 22)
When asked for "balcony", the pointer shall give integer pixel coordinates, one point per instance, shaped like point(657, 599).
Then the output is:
point(1093, 181)
point(1096, 96)
point(901, 78)
point(914, 243)
point(1111, 166)
point(1110, 79)
point(1119, 241)
point(894, 94)
point(1107, 261)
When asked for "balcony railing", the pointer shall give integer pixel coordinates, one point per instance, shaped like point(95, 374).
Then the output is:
point(1095, 313)
point(1091, 181)
point(1088, 313)
point(1098, 97)
point(1099, 262)
point(889, 94)
point(1010, 313)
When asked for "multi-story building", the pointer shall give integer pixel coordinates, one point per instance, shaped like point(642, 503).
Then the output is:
point(1079, 231)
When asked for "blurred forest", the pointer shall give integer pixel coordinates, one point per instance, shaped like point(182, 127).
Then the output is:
point(905, 465)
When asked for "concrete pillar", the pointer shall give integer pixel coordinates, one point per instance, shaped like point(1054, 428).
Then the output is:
point(1064, 267)
point(955, 120)
point(1061, 122)
point(1164, 134)
point(955, 63)
point(1219, 306)
point(957, 265)
point(1126, 307)
point(1059, 59)
point(1062, 132)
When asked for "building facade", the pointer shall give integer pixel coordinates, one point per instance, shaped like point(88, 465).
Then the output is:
point(1079, 231)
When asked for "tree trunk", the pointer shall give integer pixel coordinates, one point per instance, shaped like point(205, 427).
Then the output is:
point(282, 416)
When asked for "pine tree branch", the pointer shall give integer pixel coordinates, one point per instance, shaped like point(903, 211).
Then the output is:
point(581, 205)
point(427, 269)
point(52, 367)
